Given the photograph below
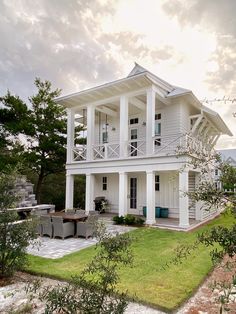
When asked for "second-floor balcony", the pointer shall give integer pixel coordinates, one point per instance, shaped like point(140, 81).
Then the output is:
point(171, 145)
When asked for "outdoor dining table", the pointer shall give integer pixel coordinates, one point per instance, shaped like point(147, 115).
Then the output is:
point(69, 217)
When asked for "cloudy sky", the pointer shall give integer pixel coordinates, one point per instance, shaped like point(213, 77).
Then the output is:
point(82, 43)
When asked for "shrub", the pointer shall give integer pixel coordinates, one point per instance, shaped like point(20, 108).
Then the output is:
point(139, 221)
point(129, 219)
point(119, 220)
point(15, 235)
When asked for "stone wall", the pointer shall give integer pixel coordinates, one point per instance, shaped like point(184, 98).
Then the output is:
point(25, 190)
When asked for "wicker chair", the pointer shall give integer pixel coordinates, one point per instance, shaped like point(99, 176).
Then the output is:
point(62, 229)
point(46, 226)
point(86, 228)
point(80, 211)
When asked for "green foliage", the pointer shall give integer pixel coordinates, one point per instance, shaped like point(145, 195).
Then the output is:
point(139, 221)
point(15, 235)
point(94, 290)
point(43, 126)
point(129, 219)
point(119, 220)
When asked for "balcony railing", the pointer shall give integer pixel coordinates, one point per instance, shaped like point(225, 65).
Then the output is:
point(162, 146)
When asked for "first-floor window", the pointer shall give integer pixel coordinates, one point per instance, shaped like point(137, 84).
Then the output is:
point(104, 183)
point(157, 183)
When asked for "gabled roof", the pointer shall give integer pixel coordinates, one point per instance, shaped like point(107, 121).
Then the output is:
point(228, 155)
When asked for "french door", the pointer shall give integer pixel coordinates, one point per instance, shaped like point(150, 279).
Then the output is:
point(133, 193)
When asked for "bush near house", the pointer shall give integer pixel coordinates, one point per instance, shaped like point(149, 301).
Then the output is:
point(128, 220)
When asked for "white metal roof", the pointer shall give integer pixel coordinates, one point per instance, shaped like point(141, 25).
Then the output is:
point(139, 78)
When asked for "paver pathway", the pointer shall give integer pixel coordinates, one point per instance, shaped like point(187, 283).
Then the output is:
point(56, 248)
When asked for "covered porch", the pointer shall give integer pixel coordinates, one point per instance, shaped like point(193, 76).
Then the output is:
point(129, 192)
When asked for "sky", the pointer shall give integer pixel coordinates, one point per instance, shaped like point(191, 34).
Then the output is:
point(77, 44)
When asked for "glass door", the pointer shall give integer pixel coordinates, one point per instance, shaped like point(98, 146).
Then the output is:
point(133, 193)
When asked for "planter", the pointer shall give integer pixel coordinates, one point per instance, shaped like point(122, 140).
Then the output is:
point(164, 212)
point(157, 211)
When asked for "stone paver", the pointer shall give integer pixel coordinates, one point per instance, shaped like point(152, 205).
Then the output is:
point(56, 248)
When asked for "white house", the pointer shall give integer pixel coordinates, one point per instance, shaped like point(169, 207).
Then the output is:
point(134, 126)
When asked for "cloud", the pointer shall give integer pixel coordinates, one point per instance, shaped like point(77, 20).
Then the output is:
point(219, 18)
point(55, 40)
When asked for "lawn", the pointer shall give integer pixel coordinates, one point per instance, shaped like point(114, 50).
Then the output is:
point(146, 281)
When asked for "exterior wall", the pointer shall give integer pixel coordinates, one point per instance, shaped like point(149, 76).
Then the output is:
point(112, 192)
point(168, 196)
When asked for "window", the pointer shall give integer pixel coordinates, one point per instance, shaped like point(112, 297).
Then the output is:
point(104, 183)
point(105, 137)
point(158, 116)
point(216, 172)
point(133, 121)
point(157, 183)
point(157, 124)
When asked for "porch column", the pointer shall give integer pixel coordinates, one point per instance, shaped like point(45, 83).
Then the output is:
point(183, 199)
point(150, 121)
point(69, 191)
point(90, 131)
point(89, 195)
point(124, 110)
point(70, 134)
point(150, 191)
point(123, 193)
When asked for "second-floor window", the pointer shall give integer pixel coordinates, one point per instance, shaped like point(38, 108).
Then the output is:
point(158, 124)
point(133, 121)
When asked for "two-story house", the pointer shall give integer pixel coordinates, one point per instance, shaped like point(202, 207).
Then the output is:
point(134, 126)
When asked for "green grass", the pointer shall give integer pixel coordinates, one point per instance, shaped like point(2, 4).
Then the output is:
point(146, 281)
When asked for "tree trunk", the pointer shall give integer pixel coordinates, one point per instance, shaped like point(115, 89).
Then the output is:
point(39, 187)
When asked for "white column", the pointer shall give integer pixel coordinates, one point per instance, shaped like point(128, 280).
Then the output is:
point(150, 191)
point(89, 195)
point(90, 131)
point(70, 134)
point(124, 111)
point(69, 191)
point(183, 199)
point(123, 193)
point(150, 121)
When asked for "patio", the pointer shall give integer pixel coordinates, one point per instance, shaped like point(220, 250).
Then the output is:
point(57, 248)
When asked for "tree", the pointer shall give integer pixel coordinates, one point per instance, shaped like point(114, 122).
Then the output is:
point(43, 126)
point(15, 235)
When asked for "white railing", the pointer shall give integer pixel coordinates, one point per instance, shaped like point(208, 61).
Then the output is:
point(162, 146)
point(165, 145)
point(136, 148)
point(79, 153)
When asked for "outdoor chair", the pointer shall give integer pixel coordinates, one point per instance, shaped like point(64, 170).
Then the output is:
point(70, 211)
point(46, 225)
point(62, 229)
point(86, 228)
point(80, 211)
